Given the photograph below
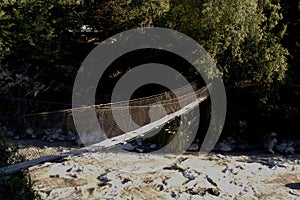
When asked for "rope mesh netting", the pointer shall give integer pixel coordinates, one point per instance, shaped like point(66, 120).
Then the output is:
point(143, 111)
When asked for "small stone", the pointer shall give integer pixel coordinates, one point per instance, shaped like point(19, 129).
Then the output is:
point(140, 150)
point(17, 137)
point(103, 178)
point(224, 147)
point(189, 174)
point(29, 131)
point(152, 146)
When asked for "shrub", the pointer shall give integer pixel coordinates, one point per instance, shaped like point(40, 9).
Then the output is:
point(19, 185)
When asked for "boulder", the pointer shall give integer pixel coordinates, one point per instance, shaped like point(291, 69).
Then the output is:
point(285, 148)
point(128, 147)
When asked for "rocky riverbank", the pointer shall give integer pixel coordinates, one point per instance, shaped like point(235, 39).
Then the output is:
point(109, 175)
point(236, 170)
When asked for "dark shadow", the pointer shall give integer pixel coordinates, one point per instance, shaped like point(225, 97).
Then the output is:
point(294, 186)
point(259, 156)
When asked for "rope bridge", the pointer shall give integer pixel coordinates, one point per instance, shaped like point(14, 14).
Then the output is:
point(146, 112)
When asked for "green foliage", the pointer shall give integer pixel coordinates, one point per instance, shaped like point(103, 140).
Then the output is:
point(244, 38)
point(39, 48)
point(240, 35)
point(43, 42)
point(19, 185)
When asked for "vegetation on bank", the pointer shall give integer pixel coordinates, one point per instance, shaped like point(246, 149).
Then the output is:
point(19, 185)
point(254, 44)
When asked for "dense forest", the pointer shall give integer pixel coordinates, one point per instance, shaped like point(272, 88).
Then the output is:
point(254, 43)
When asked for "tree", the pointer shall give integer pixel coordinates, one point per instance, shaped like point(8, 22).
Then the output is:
point(244, 38)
